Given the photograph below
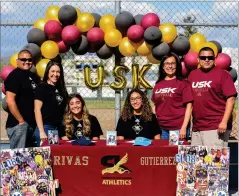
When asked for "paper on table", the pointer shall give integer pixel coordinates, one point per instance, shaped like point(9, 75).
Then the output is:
point(131, 141)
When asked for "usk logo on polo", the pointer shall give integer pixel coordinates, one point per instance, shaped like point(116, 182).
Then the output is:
point(165, 90)
point(202, 84)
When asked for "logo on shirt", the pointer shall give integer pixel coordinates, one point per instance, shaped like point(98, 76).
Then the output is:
point(33, 84)
point(59, 99)
point(165, 90)
point(202, 84)
point(200, 87)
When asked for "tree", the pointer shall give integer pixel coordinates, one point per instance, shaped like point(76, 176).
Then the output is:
point(189, 30)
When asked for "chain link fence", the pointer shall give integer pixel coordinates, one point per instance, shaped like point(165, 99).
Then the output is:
point(217, 20)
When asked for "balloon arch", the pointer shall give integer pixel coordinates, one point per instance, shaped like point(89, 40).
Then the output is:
point(66, 27)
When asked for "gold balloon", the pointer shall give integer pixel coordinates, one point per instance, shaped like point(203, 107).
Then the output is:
point(107, 22)
point(85, 21)
point(13, 59)
point(113, 37)
point(144, 49)
point(41, 67)
point(198, 66)
point(126, 48)
point(40, 23)
point(100, 77)
point(196, 41)
point(78, 11)
point(120, 80)
point(210, 45)
point(169, 32)
point(152, 59)
point(138, 76)
point(49, 49)
point(52, 13)
point(136, 45)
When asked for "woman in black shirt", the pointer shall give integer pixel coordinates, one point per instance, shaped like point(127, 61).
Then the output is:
point(78, 122)
point(137, 118)
point(50, 101)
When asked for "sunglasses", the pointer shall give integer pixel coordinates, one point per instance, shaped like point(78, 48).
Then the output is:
point(206, 57)
point(25, 59)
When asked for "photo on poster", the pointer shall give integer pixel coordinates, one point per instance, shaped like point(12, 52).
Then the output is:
point(53, 137)
point(111, 138)
point(173, 137)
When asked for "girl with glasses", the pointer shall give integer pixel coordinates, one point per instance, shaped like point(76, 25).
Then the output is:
point(172, 97)
point(50, 101)
point(137, 118)
point(78, 122)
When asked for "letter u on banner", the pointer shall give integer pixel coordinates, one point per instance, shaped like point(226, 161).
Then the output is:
point(138, 76)
point(100, 78)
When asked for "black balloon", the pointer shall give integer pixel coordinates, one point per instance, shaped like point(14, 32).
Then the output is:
point(33, 69)
point(123, 21)
point(36, 36)
point(94, 47)
point(97, 18)
point(138, 19)
point(233, 73)
point(67, 15)
point(152, 35)
point(105, 52)
point(117, 53)
point(57, 59)
point(4, 105)
point(160, 50)
point(35, 50)
point(219, 47)
point(81, 47)
point(181, 45)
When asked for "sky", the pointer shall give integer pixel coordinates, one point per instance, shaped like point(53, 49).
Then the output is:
point(14, 38)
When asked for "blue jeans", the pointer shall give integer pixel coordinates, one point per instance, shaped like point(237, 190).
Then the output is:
point(165, 133)
point(20, 136)
point(37, 133)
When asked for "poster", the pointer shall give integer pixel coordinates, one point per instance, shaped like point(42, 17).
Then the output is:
point(202, 171)
point(26, 172)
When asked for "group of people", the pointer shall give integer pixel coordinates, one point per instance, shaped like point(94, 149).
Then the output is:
point(207, 95)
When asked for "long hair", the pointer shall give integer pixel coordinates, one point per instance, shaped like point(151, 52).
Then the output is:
point(68, 117)
point(60, 84)
point(128, 111)
point(161, 72)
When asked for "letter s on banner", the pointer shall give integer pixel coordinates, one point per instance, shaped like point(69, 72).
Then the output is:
point(120, 80)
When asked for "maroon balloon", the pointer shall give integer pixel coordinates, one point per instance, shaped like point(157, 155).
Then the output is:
point(6, 70)
point(3, 89)
point(191, 60)
point(63, 47)
point(70, 34)
point(150, 20)
point(135, 33)
point(184, 69)
point(53, 29)
point(223, 61)
point(95, 35)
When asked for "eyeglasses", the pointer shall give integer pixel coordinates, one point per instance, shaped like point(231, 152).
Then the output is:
point(168, 63)
point(135, 99)
point(206, 57)
point(25, 59)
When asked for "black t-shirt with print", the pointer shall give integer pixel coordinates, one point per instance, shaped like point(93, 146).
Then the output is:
point(54, 104)
point(96, 130)
point(129, 128)
point(22, 83)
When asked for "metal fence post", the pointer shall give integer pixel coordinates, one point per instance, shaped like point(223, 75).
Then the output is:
point(117, 62)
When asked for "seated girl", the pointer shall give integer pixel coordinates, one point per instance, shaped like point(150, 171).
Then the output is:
point(78, 122)
point(137, 118)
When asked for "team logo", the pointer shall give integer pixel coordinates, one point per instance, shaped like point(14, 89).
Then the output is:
point(117, 166)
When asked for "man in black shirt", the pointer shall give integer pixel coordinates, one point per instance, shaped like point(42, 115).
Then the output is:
point(20, 86)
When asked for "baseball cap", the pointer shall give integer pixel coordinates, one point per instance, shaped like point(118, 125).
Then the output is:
point(83, 141)
point(142, 141)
